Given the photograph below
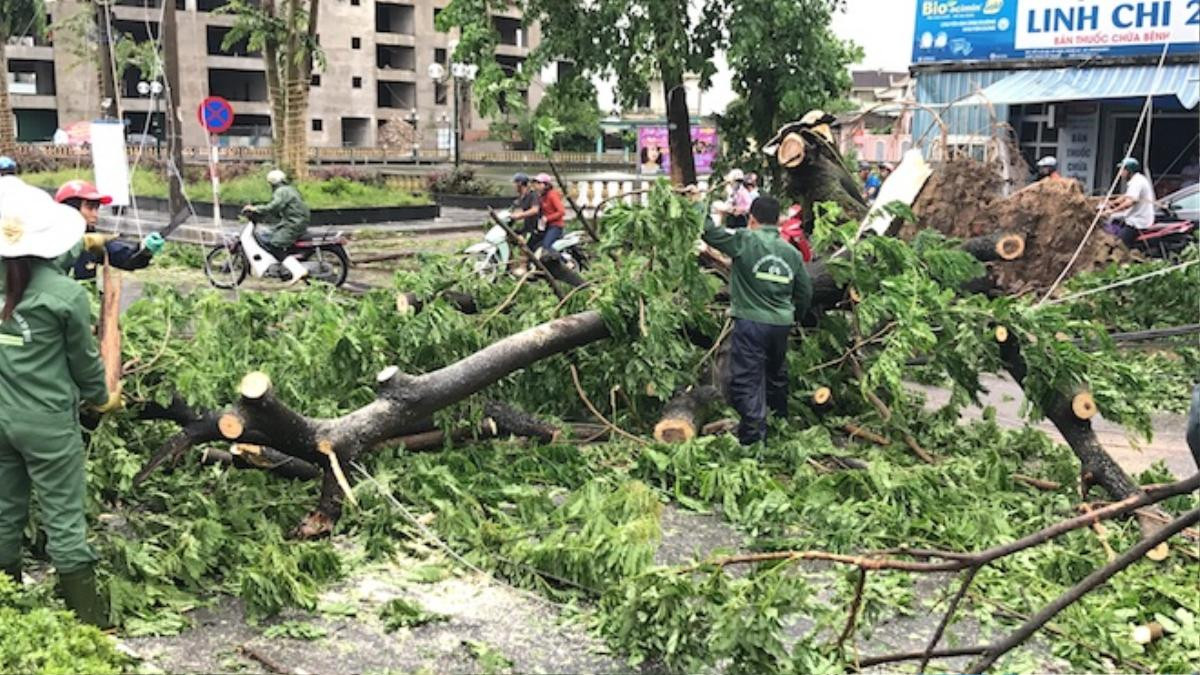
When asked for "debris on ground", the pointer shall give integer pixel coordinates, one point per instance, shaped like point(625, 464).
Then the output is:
point(963, 199)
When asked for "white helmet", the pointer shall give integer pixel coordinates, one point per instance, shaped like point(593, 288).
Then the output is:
point(1048, 162)
point(735, 175)
point(275, 177)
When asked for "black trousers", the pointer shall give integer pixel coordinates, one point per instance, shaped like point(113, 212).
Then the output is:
point(758, 376)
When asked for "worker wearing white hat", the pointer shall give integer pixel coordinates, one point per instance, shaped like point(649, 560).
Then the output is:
point(48, 363)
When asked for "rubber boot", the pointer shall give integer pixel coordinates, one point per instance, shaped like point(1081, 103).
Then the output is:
point(296, 268)
point(14, 571)
point(78, 591)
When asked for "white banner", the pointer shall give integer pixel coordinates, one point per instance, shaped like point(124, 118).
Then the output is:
point(1054, 24)
point(109, 160)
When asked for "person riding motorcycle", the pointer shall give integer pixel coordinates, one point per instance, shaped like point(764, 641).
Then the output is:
point(1047, 168)
point(290, 216)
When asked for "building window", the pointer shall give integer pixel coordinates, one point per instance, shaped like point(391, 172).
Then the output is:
point(439, 93)
point(318, 125)
point(439, 56)
point(436, 12)
point(355, 43)
point(356, 82)
point(354, 3)
point(643, 102)
point(316, 80)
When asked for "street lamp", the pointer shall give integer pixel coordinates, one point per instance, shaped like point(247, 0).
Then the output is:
point(153, 89)
point(413, 119)
point(461, 72)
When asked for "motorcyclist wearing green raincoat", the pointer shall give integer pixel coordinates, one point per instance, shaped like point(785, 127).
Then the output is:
point(290, 217)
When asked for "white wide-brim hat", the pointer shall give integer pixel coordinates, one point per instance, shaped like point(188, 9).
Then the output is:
point(33, 224)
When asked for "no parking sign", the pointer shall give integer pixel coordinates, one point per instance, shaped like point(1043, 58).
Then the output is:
point(215, 115)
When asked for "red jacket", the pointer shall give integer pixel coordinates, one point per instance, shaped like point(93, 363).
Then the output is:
point(792, 231)
point(552, 208)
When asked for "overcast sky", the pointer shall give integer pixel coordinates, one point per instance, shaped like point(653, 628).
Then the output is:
point(883, 28)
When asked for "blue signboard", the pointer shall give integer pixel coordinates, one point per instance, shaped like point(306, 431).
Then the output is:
point(990, 30)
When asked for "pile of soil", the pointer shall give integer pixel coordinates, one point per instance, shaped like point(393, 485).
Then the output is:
point(963, 199)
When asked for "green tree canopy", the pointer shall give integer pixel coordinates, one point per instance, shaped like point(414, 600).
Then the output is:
point(785, 61)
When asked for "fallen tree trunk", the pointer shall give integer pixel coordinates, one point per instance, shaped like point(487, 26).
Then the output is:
point(685, 414)
point(404, 403)
point(1071, 414)
point(997, 246)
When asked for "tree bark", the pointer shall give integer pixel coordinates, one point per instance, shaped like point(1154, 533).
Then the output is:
point(997, 246)
point(411, 303)
point(1096, 465)
point(275, 91)
point(679, 128)
point(403, 402)
point(265, 459)
point(685, 414)
point(8, 126)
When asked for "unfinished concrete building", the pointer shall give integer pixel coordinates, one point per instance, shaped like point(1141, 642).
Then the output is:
point(373, 91)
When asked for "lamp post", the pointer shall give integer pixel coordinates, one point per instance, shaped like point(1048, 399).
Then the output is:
point(413, 120)
point(153, 89)
point(460, 72)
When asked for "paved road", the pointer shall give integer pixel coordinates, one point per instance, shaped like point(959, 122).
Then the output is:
point(1135, 455)
point(203, 231)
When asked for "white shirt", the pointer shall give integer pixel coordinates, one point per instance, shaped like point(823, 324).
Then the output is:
point(1141, 214)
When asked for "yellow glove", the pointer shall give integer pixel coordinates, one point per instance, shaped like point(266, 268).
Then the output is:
point(94, 242)
point(114, 402)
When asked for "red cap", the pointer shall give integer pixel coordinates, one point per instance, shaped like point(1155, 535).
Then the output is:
point(80, 189)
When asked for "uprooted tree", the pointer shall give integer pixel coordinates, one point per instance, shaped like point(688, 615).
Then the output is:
point(638, 330)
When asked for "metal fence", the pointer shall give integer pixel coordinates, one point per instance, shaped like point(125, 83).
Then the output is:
point(355, 155)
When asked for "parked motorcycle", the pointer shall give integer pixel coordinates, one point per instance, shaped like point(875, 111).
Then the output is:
point(490, 257)
point(229, 263)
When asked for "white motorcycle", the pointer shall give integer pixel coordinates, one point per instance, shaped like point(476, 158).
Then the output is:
point(490, 257)
point(321, 257)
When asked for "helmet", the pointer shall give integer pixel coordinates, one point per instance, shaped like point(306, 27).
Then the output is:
point(1048, 162)
point(275, 177)
point(80, 189)
point(520, 178)
point(8, 166)
point(543, 178)
point(1131, 165)
point(735, 176)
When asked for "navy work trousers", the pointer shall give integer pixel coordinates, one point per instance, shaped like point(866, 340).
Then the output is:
point(758, 376)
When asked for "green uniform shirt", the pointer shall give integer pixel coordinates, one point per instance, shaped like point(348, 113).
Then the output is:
point(291, 215)
point(48, 356)
point(769, 283)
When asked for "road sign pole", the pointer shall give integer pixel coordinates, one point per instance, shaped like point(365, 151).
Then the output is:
point(213, 159)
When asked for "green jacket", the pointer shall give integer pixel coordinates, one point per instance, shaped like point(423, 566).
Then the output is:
point(48, 356)
point(769, 282)
point(289, 213)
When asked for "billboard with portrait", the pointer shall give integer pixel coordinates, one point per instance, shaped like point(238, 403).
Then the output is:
point(992, 30)
point(654, 154)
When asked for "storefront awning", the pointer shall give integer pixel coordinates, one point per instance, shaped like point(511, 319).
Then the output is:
point(1080, 84)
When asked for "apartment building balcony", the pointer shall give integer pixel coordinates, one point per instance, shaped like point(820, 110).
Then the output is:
point(29, 52)
point(392, 58)
point(33, 101)
point(238, 86)
point(395, 18)
point(396, 94)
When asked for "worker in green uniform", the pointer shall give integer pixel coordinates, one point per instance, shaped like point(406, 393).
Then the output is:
point(769, 285)
point(48, 364)
point(290, 216)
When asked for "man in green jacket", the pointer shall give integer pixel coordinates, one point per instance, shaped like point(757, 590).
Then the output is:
point(769, 285)
point(290, 216)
